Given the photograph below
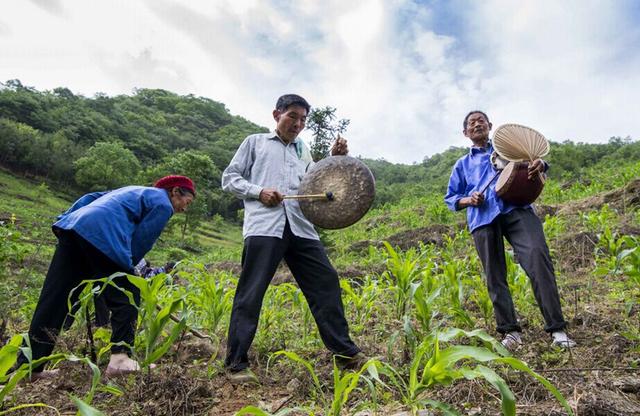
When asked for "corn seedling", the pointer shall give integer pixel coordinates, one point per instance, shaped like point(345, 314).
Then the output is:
point(154, 317)
point(362, 302)
point(402, 272)
point(210, 299)
point(519, 284)
point(343, 382)
point(480, 295)
point(630, 259)
point(300, 303)
point(432, 366)
point(8, 357)
point(453, 273)
point(424, 300)
point(275, 318)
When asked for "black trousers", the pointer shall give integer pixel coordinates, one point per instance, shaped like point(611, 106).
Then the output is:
point(317, 279)
point(76, 260)
point(523, 229)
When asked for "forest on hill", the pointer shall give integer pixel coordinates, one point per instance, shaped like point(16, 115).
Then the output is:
point(81, 144)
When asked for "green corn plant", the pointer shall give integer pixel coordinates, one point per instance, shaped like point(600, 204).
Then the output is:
point(275, 318)
point(519, 284)
point(8, 357)
point(361, 301)
point(554, 228)
point(402, 272)
point(424, 299)
point(11, 380)
point(210, 299)
point(480, 296)
point(439, 213)
point(11, 246)
point(607, 252)
point(84, 408)
point(154, 315)
point(453, 273)
point(343, 382)
point(300, 303)
point(630, 259)
point(433, 366)
point(598, 221)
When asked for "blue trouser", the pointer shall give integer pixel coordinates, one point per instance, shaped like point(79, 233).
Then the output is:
point(523, 229)
point(315, 276)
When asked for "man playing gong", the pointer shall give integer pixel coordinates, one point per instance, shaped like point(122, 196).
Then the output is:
point(266, 167)
point(490, 219)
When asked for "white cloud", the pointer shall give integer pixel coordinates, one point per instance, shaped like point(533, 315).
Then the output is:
point(405, 73)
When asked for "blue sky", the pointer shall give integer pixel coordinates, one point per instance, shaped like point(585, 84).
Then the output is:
point(404, 72)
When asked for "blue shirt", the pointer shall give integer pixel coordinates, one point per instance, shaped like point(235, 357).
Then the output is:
point(123, 223)
point(471, 173)
point(266, 161)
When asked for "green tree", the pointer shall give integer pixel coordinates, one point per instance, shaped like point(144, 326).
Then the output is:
point(107, 165)
point(321, 122)
point(199, 167)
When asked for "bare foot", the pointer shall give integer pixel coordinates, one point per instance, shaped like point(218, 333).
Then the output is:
point(121, 364)
point(43, 375)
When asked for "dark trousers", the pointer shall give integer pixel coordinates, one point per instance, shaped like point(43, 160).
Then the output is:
point(317, 279)
point(523, 229)
point(76, 260)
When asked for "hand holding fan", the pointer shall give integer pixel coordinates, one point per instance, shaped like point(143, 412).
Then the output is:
point(520, 145)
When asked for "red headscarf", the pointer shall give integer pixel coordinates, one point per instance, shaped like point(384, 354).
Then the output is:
point(172, 181)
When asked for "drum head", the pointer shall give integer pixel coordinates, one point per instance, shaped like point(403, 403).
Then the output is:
point(503, 180)
point(353, 188)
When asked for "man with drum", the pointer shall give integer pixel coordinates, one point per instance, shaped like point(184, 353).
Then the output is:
point(266, 167)
point(490, 219)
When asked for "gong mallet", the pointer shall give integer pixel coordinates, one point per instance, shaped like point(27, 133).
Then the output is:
point(327, 196)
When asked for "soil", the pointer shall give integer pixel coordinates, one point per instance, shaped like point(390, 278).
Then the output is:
point(621, 199)
point(433, 234)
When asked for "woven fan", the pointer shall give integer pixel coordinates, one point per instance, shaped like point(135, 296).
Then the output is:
point(518, 143)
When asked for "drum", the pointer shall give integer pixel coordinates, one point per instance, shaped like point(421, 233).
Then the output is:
point(515, 187)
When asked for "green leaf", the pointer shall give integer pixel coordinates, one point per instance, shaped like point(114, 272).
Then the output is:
point(9, 354)
point(85, 409)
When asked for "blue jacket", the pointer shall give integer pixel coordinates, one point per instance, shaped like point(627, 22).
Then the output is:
point(471, 173)
point(123, 223)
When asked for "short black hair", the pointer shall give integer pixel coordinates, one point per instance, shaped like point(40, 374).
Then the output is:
point(288, 100)
point(184, 191)
point(466, 119)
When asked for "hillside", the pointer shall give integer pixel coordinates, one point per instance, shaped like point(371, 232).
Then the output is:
point(593, 229)
point(411, 281)
point(76, 144)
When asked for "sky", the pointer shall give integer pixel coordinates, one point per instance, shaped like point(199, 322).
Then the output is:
point(405, 73)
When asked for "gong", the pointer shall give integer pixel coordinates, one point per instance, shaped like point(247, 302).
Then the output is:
point(351, 184)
